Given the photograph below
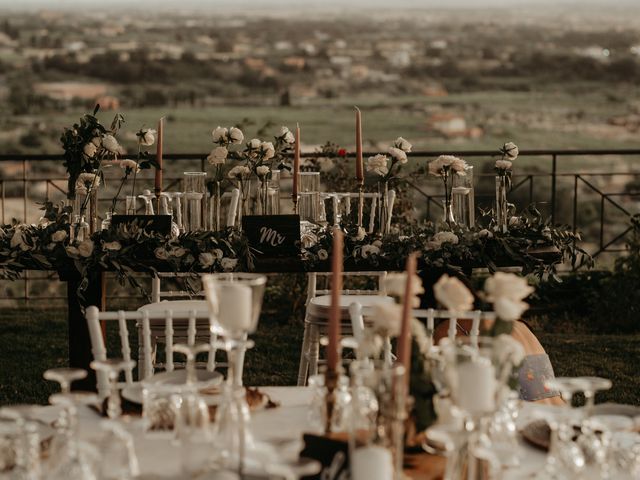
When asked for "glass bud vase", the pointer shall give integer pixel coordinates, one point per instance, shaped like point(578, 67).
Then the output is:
point(215, 206)
point(383, 207)
point(502, 219)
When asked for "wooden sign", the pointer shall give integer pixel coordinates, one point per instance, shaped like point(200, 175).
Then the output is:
point(275, 241)
point(152, 223)
point(333, 455)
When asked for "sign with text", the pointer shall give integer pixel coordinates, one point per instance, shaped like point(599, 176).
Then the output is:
point(274, 239)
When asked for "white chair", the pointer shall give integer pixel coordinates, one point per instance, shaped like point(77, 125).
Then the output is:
point(144, 318)
point(318, 306)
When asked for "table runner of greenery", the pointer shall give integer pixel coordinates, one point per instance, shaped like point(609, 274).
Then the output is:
point(132, 248)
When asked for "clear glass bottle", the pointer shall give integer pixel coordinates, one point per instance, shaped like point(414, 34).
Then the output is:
point(106, 222)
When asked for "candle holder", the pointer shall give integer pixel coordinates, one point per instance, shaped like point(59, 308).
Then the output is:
point(330, 383)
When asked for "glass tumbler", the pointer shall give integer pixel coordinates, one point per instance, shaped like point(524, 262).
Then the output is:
point(195, 201)
point(309, 196)
point(462, 198)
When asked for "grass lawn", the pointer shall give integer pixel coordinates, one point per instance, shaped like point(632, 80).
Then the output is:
point(33, 340)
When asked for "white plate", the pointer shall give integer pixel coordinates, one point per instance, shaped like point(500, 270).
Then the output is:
point(133, 393)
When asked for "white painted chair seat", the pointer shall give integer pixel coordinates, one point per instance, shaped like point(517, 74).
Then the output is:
point(320, 307)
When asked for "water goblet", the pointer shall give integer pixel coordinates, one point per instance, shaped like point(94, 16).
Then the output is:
point(64, 376)
point(112, 367)
point(21, 447)
point(117, 453)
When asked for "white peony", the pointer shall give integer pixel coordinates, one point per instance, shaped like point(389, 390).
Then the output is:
point(85, 248)
point(229, 263)
point(59, 236)
point(113, 246)
point(262, 170)
point(367, 250)
point(90, 149)
point(110, 143)
point(398, 154)
point(236, 136)
point(323, 254)
point(218, 156)
point(268, 151)
point(506, 291)
point(254, 143)
point(217, 253)
point(403, 145)
point(286, 135)
point(395, 284)
point(147, 137)
point(387, 318)
point(161, 253)
point(378, 164)
point(131, 164)
point(510, 150)
point(206, 259)
point(447, 163)
point(453, 294)
point(238, 172)
point(504, 164)
point(219, 134)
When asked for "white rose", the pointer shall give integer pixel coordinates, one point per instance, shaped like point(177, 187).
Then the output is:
point(506, 285)
point(18, 240)
point(147, 137)
point(395, 284)
point(402, 144)
point(229, 263)
point(286, 135)
point(239, 171)
point(398, 154)
point(507, 349)
point(90, 149)
point(510, 150)
point(178, 252)
point(219, 135)
point(267, 149)
point(504, 164)
point(509, 309)
point(445, 237)
point(262, 170)
point(217, 253)
point(218, 156)
point(110, 143)
point(484, 233)
point(72, 251)
point(97, 141)
point(114, 246)
point(368, 250)
point(453, 294)
point(323, 254)
point(378, 164)
point(387, 318)
point(447, 163)
point(254, 143)
point(236, 136)
point(132, 164)
point(206, 259)
point(459, 166)
point(308, 239)
point(161, 253)
point(85, 248)
point(361, 234)
point(377, 243)
point(59, 236)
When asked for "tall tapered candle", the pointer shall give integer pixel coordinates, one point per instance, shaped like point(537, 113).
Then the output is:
point(158, 183)
point(359, 165)
point(404, 342)
point(336, 289)
point(296, 166)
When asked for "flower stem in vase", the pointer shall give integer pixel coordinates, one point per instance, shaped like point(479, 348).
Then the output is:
point(215, 206)
point(448, 217)
point(383, 191)
point(501, 202)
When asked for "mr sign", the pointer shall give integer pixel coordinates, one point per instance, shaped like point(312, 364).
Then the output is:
point(275, 240)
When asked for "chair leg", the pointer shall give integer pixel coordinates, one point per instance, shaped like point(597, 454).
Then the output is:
point(142, 374)
point(314, 349)
point(304, 357)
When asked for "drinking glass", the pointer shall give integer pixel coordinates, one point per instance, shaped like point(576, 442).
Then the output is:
point(317, 413)
point(131, 205)
point(309, 196)
point(462, 198)
point(112, 368)
point(148, 197)
point(166, 208)
point(117, 453)
point(176, 207)
point(195, 202)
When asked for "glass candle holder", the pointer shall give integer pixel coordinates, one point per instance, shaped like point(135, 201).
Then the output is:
point(309, 196)
point(196, 207)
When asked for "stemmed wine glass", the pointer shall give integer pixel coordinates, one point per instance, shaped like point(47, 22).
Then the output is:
point(64, 376)
point(112, 368)
point(22, 452)
point(235, 302)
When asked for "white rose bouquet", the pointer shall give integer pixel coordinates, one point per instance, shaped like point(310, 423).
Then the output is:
point(396, 154)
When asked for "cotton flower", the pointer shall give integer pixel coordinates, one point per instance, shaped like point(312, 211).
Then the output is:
point(398, 154)
point(146, 136)
point(254, 143)
point(97, 141)
point(229, 264)
point(403, 145)
point(368, 250)
point(113, 246)
point(453, 294)
point(510, 150)
point(387, 318)
point(218, 156)
point(236, 136)
point(85, 249)
point(504, 164)
point(219, 134)
point(129, 164)
point(267, 150)
point(238, 172)
point(378, 165)
point(323, 254)
point(59, 236)
point(206, 259)
point(90, 149)
point(110, 143)
point(87, 180)
point(262, 170)
point(286, 135)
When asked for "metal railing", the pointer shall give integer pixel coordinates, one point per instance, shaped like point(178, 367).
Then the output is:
point(589, 201)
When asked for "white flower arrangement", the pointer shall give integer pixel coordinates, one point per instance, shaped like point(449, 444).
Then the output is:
point(445, 165)
point(262, 171)
point(509, 153)
point(239, 172)
point(453, 294)
point(378, 164)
